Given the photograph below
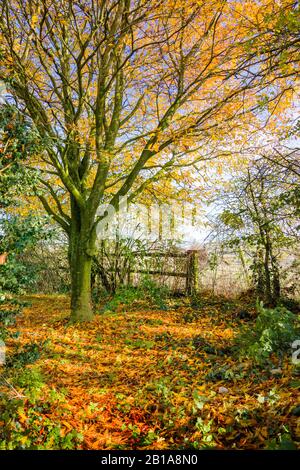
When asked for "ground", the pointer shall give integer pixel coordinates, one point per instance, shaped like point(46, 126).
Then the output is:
point(139, 378)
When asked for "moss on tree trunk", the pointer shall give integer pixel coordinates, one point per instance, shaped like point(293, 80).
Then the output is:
point(81, 244)
point(81, 303)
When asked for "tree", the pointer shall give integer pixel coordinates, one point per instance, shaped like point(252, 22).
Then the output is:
point(278, 41)
point(260, 216)
point(122, 93)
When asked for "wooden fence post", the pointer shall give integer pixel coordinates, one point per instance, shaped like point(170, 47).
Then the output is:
point(192, 271)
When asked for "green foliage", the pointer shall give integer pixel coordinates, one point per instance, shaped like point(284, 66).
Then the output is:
point(25, 424)
point(18, 141)
point(231, 219)
point(20, 233)
point(205, 429)
point(157, 294)
point(273, 332)
point(147, 290)
point(282, 442)
point(10, 308)
point(125, 295)
point(293, 305)
point(29, 354)
point(25, 429)
point(14, 277)
point(200, 343)
point(28, 379)
point(260, 217)
point(217, 374)
point(17, 235)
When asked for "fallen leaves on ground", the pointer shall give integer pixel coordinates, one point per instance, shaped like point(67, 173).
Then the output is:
point(150, 379)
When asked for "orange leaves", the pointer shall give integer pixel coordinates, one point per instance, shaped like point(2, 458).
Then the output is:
point(139, 379)
point(22, 416)
point(103, 94)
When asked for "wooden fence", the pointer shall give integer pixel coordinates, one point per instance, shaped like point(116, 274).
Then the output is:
point(189, 270)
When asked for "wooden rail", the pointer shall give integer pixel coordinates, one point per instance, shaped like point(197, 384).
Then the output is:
point(190, 273)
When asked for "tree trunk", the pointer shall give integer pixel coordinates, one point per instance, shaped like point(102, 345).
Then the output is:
point(81, 302)
point(275, 278)
point(258, 273)
point(81, 247)
point(273, 287)
point(276, 285)
point(268, 288)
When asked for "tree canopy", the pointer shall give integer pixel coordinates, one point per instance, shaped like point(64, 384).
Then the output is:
point(124, 94)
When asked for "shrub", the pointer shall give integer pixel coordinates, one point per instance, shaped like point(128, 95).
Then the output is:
point(157, 294)
point(273, 332)
point(147, 290)
point(125, 295)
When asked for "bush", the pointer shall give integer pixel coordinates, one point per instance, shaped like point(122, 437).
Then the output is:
point(273, 332)
point(291, 304)
point(157, 294)
point(147, 290)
